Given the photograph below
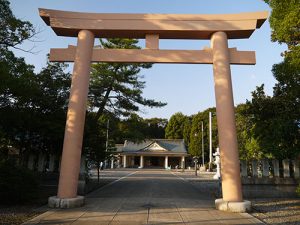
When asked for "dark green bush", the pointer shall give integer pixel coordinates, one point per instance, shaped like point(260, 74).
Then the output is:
point(17, 184)
point(298, 190)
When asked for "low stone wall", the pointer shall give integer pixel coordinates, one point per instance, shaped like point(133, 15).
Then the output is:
point(270, 178)
point(269, 187)
point(253, 188)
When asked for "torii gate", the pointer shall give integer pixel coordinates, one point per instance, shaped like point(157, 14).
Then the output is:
point(152, 27)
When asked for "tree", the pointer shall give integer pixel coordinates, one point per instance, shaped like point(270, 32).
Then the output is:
point(175, 127)
point(135, 128)
point(195, 146)
point(276, 133)
point(51, 105)
point(277, 119)
point(132, 128)
point(94, 142)
point(33, 106)
point(15, 76)
point(116, 91)
point(248, 144)
point(187, 126)
point(155, 128)
point(16, 92)
point(285, 26)
point(13, 31)
point(117, 87)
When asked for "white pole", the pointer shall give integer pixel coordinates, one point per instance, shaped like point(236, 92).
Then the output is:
point(106, 144)
point(210, 141)
point(202, 144)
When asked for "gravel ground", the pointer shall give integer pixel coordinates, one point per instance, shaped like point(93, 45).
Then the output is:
point(277, 211)
point(17, 214)
point(269, 210)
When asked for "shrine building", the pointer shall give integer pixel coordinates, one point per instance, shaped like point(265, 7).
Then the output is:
point(154, 153)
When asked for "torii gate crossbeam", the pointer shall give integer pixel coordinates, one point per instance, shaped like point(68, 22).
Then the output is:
point(152, 27)
point(153, 56)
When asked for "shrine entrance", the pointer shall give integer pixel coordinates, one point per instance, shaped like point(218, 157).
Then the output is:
point(154, 162)
point(152, 27)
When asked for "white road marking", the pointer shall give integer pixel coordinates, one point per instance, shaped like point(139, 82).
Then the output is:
point(121, 178)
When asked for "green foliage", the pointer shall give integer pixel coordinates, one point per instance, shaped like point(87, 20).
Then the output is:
point(13, 31)
point(117, 87)
point(135, 128)
point(175, 127)
point(276, 133)
point(32, 106)
point(285, 25)
point(190, 129)
point(298, 190)
point(249, 147)
point(195, 147)
point(116, 91)
point(284, 21)
point(272, 123)
point(132, 128)
point(17, 184)
point(94, 142)
point(187, 126)
point(155, 127)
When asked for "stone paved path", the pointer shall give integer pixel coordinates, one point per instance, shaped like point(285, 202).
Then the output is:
point(146, 197)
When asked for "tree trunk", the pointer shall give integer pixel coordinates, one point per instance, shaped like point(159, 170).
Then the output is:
point(103, 103)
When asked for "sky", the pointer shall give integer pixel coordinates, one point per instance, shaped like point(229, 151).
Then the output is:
point(186, 88)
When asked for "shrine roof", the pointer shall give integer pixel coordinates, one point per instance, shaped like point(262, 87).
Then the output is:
point(154, 146)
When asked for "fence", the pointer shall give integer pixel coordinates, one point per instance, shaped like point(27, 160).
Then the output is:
point(270, 178)
point(270, 168)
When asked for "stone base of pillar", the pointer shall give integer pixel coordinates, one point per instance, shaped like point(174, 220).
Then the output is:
point(238, 207)
point(65, 203)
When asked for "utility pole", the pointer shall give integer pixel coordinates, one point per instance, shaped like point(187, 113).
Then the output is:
point(210, 142)
point(202, 144)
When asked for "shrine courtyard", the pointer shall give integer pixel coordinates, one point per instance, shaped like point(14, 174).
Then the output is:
point(147, 197)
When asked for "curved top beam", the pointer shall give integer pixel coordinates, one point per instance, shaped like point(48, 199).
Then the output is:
point(167, 26)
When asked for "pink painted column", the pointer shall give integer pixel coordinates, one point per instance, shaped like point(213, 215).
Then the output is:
point(70, 163)
point(230, 166)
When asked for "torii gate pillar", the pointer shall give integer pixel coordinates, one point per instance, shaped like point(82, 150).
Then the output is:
point(230, 165)
point(231, 184)
point(71, 155)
